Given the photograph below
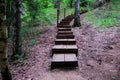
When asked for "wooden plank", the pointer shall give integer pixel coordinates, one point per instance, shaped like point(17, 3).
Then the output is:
point(65, 32)
point(58, 58)
point(64, 29)
point(64, 23)
point(65, 47)
point(59, 46)
point(58, 49)
point(70, 58)
point(72, 47)
point(64, 60)
point(65, 42)
point(64, 26)
point(65, 37)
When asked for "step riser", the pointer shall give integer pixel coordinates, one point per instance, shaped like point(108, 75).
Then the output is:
point(65, 37)
point(67, 51)
point(65, 33)
point(64, 29)
point(64, 26)
point(64, 64)
point(64, 23)
point(65, 42)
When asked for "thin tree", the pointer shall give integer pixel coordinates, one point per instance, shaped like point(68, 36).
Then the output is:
point(6, 75)
point(77, 14)
point(17, 44)
point(71, 3)
point(8, 16)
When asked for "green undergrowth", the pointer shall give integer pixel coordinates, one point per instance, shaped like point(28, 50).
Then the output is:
point(30, 35)
point(106, 16)
point(51, 13)
point(31, 32)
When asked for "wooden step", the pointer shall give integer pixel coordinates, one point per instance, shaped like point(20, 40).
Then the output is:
point(64, 29)
point(65, 37)
point(65, 32)
point(64, 23)
point(58, 49)
point(64, 60)
point(65, 42)
point(64, 26)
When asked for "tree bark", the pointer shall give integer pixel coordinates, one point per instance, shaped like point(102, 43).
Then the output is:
point(17, 43)
point(77, 14)
point(71, 3)
point(6, 75)
point(8, 15)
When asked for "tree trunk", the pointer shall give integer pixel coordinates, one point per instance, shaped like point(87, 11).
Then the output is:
point(8, 15)
point(17, 44)
point(77, 14)
point(71, 3)
point(6, 75)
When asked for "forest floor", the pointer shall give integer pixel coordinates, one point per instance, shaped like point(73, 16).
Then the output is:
point(98, 57)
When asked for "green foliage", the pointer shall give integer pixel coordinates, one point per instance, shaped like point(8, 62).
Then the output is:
point(106, 16)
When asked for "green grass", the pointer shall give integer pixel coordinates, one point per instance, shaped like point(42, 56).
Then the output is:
point(106, 16)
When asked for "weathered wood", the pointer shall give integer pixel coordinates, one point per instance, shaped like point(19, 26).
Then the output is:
point(65, 42)
point(58, 49)
point(64, 26)
point(58, 58)
point(64, 60)
point(64, 29)
point(65, 32)
point(70, 58)
point(65, 37)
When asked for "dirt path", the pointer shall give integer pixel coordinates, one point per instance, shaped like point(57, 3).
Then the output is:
point(99, 56)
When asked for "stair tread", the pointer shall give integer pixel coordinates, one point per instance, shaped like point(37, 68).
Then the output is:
point(65, 47)
point(58, 58)
point(70, 57)
point(65, 40)
point(64, 58)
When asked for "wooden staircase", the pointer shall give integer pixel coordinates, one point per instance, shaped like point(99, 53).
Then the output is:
point(65, 50)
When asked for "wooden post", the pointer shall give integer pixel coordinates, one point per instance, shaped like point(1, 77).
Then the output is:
point(58, 12)
point(64, 13)
point(57, 17)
